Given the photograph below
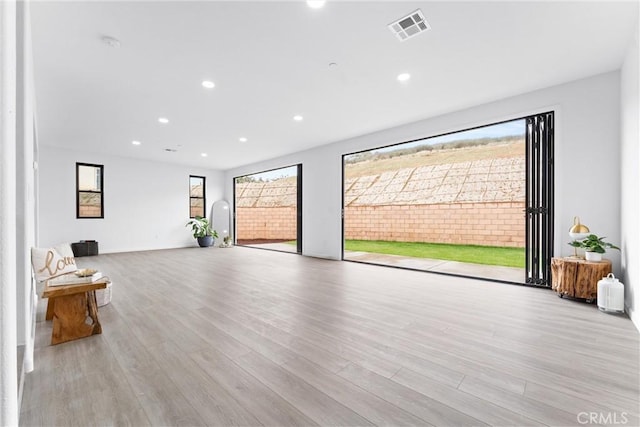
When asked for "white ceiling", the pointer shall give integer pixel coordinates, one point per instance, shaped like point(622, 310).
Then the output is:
point(270, 61)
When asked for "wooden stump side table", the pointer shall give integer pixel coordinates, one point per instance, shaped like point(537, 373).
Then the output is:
point(74, 311)
point(575, 277)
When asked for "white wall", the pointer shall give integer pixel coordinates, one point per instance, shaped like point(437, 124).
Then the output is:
point(630, 178)
point(9, 24)
point(25, 184)
point(587, 136)
point(146, 204)
point(17, 204)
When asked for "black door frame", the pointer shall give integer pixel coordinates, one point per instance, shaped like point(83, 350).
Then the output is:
point(544, 221)
point(298, 208)
point(539, 199)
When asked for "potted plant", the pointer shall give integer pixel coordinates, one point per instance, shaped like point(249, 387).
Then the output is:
point(202, 231)
point(594, 247)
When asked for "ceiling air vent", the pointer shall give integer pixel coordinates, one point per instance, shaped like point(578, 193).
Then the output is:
point(409, 26)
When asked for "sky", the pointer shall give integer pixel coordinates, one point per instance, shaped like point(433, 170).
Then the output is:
point(276, 173)
point(512, 128)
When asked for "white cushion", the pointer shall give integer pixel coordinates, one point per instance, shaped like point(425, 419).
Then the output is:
point(52, 262)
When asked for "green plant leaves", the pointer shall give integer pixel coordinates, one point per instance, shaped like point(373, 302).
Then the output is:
point(593, 243)
point(201, 227)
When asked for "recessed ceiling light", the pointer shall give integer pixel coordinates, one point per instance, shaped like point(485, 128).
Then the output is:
point(208, 84)
point(203, 154)
point(298, 118)
point(242, 139)
point(316, 4)
point(163, 120)
point(404, 77)
point(136, 142)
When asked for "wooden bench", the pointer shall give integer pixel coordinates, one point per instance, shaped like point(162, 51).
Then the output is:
point(74, 310)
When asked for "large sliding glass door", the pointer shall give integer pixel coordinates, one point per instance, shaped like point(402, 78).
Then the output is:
point(459, 203)
point(268, 209)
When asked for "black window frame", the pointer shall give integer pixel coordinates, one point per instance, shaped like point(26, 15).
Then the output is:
point(204, 195)
point(298, 167)
point(78, 191)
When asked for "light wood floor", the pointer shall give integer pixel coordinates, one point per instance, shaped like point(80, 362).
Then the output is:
point(243, 336)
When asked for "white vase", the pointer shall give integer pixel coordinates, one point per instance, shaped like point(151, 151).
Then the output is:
point(593, 256)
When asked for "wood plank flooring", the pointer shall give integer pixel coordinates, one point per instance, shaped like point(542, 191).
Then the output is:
point(248, 337)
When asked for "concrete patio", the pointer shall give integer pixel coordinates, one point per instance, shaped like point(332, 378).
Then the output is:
point(494, 272)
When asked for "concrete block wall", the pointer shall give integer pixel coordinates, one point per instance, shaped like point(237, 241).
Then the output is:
point(266, 223)
point(489, 224)
point(89, 211)
point(473, 203)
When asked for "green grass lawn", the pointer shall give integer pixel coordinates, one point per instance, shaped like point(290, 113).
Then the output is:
point(488, 255)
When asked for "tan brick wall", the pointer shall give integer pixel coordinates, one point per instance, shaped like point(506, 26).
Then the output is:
point(473, 203)
point(266, 223)
point(490, 224)
point(89, 211)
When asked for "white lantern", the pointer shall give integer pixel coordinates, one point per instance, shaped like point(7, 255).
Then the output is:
point(611, 294)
